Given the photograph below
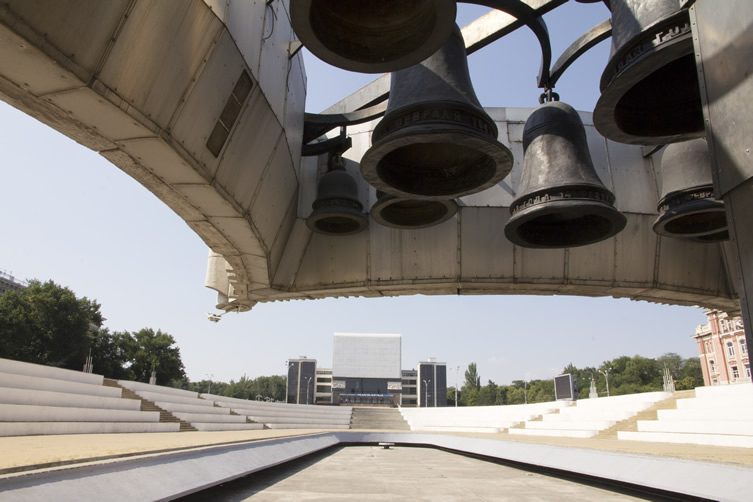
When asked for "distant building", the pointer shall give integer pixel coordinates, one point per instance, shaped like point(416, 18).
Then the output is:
point(722, 349)
point(366, 370)
point(10, 283)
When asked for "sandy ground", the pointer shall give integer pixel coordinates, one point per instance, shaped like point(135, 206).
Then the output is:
point(28, 452)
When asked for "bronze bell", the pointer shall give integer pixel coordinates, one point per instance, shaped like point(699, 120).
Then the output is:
point(649, 88)
point(687, 208)
point(372, 36)
point(435, 140)
point(405, 213)
point(337, 210)
point(562, 201)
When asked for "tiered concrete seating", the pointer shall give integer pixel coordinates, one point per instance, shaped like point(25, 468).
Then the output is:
point(716, 416)
point(185, 405)
point(37, 399)
point(287, 416)
point(590, 416)
point(476, 418)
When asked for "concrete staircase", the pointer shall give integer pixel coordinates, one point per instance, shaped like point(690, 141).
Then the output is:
point(146, 405)
point(378, 419)
point(631, 424)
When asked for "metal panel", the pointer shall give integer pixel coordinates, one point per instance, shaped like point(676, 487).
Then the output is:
point(358, 355)
point(240, 234)
point(208, 200)
point(277, 188)
point(248, 151)
point(333, 261)
point(30, 69)
point(245, 21)
point(593, 264)
point(486, 253)
point(685, 265)
point(634, 182)
point(206, 99)
point(295, 104)
point(292, 255)
point(155, 56)
point(87, 107)
point(161, 159)
point(416, 254)
point(61, 24)
point(635, 249)
point(281, 240)
point(539, 265)
point(308, 176)
point(220, 8)
point(274, 57)
point(257, 271)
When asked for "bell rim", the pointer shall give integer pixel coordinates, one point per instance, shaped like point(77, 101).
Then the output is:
point(351, 213)
point(500, 154)
point(614, 88)
point(607, 211)
point(299, 15)
point(388, 199)
point(686, 210)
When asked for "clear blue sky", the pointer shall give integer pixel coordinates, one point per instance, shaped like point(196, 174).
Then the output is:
point(68, 215)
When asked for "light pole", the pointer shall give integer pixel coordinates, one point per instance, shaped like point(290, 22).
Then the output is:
point(426, 391)
point(525, 391)
point(457, 389)
point(308, 384)
point(605, 372)
point(209, 386)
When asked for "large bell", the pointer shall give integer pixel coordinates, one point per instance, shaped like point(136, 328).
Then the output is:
point(687, 208)
point(649, 88)
point(372, 36)
point(405, 213)
point(435, 140)
point(337, 210)
point(562, 201)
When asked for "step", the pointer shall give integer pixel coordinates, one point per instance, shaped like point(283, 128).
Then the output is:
point(683, 438)
point(554, 433)
point(55, 385)
point(159, 389)
point(31, 413)
point(583, 425)
point(737, 402)
point(284, 413)
point(192, 408)
point(306, 426)
point(40, 370)
point(45, 428)
point(453, 428)
point(172, 398)
point(712, 391)
point(732, 427)
point(706, 414)
point(208, 417)
point(214, 426)
point(301, 420)
point(47, 398)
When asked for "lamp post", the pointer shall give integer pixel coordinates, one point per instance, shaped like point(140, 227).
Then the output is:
point(308, 384)
point(209, 386)
point(457, 389)
point(426, 391)
point(605, 372)
point(525, 391)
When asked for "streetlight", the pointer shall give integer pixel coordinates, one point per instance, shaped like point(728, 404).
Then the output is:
point(457, 390)
point(209, 387)
point(308, 384)
point(426, 391)
point(605, 372)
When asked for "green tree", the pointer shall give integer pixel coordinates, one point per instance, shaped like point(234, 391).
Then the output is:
point(46, 323)
point(111, 353)
point(150, 350)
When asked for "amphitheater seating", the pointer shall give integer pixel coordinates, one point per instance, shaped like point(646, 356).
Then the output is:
point(475, 418)
point(588, 417)
point(201, 414)
point(37, 399)
point(716, 416)
point(287, 416)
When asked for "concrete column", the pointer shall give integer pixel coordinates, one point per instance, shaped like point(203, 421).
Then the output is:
point(723, 42)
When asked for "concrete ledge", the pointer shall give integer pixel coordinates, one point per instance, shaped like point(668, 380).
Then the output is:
point(683, 438)
point(554, 433)
point(454, 428)
point(735, 389)
point(743, 401)
point(160, 389)
point(29, 413)
point(580, 414)
point(209, 417)
point(54, 385)
point(283, 413)
point(306, 426)
point(726, 414)
point(39, 370)
point(171, 398)
point(648, 397)
point(267, 419)
point(231, 402)
point(583, 425)
point(50, 428)
point(733, 427)
point(192, 408)
point(214, 426)
point(47, 398)
point(170, 475)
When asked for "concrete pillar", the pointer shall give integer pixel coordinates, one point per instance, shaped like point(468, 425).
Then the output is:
point(723, 42)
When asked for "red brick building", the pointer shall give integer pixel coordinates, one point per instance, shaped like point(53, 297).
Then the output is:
point(722, 349)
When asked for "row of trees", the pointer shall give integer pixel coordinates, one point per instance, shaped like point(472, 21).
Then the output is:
point(627, 375)
point(47, 324)
point(263, 387)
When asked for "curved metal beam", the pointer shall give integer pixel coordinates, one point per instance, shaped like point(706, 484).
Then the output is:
point(598, 33)
point(531, 18)
point(316, 124)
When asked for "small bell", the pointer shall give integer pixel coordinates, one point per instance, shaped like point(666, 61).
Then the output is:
point(649, 88)
point(562, 201)
point(337, 210)
point(372, 36)
point(687, 208)
point(435, 140)
point(404, 213)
